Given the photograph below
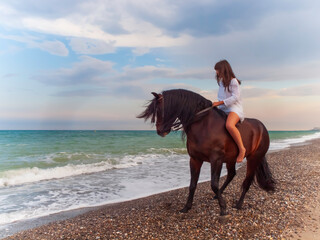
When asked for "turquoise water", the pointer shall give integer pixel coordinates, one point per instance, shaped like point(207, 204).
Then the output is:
point(50, 149)
point(278, 135)
point(45, 172)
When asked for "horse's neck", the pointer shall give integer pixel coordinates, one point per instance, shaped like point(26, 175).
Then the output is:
point(182, 116)
point(219, 115)
point(212, 122)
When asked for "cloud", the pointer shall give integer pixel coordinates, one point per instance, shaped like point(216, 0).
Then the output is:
point(303, 90)
point(131, 82)
point(50, 9)
point(161, 60)
point(9, 75)
point(241, 30)
point(140, 51)
point(82, 93)
point(91, 46)
point(254, 92)
point(152, 72)
point(200, 18)
point(130, 91)
point(282, 35)
point(294, 71)
point(108, 21)
point(88, 71)
point(53, 47)
point(122, 91)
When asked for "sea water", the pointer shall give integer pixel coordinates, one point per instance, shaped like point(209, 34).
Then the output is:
point(47, 172)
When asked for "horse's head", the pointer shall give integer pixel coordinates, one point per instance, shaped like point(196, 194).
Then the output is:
point(155, 111)
point(162, 129)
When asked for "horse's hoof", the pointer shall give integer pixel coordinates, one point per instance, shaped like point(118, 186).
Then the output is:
point(237, 206)
point(223, 213)
point(224, 218)
point(185, 209)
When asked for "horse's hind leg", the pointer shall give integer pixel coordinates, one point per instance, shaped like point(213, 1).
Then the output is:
point(195, 167)
point(251, 167)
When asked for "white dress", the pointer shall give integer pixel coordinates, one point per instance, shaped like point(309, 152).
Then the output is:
point(232, 100)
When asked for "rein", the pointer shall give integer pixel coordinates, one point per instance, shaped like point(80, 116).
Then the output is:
point(204, 110)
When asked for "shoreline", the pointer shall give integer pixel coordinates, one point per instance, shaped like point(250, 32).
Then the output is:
point(145, 217)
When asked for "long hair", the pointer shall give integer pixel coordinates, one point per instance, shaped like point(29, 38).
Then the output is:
point(225, 73)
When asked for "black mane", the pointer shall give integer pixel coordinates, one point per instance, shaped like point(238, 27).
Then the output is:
point(150, 112)
point(181, 108)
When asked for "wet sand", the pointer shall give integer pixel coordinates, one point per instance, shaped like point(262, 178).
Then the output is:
point(291, 212)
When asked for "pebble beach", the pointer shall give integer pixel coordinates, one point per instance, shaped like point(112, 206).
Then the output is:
point(291, 212)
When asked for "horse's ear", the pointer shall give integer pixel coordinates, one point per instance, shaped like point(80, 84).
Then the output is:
point(156, 95)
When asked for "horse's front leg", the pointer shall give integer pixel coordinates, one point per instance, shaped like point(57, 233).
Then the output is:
point(195, 167)
point(216, 165)
point(231, 167)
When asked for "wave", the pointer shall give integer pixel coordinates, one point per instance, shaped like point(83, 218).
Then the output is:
point(36, 174)
point(168, 150)
point(285, 143)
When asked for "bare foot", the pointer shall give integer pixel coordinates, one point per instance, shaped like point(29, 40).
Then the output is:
point(241, 155)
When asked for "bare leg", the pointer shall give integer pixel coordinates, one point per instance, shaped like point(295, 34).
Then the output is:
point(232, 120)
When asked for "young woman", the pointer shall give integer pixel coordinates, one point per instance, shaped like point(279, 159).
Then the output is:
point(229, 101)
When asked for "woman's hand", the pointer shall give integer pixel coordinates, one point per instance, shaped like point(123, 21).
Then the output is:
point(215, 104)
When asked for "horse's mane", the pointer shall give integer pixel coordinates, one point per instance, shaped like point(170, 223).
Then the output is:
point(181, 108)
point(150, 111)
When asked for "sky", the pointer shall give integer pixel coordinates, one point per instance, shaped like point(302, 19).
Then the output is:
point(75, 64)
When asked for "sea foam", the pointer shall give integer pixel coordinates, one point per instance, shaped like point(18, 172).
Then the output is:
point(276, 145)
point(35, 174)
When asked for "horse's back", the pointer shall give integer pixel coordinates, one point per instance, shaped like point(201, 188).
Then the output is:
point(252, 124)
point(250, 127)
point(254, 135)
point(210, 133)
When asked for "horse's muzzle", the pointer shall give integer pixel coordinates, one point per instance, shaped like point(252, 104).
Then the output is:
point(162, 133)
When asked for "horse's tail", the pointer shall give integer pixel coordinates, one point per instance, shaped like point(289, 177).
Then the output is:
point(264, 176)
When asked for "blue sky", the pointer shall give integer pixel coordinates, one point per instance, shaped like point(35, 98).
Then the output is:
point(76, 64)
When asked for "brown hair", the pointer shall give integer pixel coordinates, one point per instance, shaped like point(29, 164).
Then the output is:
point(225, 73)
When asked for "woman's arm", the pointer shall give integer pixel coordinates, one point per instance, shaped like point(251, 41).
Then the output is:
point(235, 93)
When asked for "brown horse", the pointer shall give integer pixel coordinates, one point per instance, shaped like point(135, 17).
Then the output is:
point(208, 140)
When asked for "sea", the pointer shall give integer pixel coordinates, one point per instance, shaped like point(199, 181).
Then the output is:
point(43, 173)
